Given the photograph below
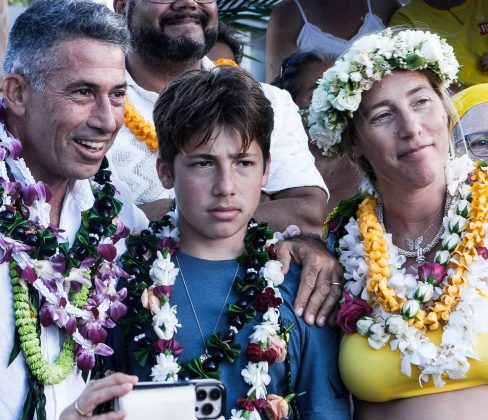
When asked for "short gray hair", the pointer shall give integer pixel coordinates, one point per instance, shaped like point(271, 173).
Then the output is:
point(37, 31)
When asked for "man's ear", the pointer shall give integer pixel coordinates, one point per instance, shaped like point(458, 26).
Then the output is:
point(15, 91)
point(120, 7)
point(164, 173)
point(266, 172)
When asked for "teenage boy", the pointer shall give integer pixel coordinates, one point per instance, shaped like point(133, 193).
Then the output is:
point(214, 132)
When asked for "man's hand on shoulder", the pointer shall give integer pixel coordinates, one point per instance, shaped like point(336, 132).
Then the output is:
point(321, 278)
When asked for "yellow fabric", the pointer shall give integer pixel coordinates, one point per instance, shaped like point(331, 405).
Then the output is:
point(470, 97)
point(469, 39)
point(225, 62)
point(374, 375)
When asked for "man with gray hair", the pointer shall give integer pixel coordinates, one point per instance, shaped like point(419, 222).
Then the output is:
point(64, 91)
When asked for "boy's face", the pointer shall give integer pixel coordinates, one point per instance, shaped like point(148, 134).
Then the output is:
point(217, 188)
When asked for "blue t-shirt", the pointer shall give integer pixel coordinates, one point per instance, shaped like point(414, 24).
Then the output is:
point(313, 351)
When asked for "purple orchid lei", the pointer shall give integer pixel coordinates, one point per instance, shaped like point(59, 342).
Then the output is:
point(54, 284)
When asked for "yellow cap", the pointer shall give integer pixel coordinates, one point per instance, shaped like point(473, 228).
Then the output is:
point(474, 95)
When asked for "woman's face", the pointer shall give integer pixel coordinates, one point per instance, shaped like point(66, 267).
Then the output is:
point(402, 130)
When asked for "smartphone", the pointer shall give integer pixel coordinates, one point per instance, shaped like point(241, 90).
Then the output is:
point(183, 400)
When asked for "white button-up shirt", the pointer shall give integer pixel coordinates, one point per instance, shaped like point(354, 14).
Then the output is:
point(292, 164)
point(13, 378)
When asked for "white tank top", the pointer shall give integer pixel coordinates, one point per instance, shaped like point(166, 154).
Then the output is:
point(328, 46)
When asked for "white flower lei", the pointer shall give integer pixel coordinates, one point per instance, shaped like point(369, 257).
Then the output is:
point(255, 374)
point(372, 57)
point(468, 319)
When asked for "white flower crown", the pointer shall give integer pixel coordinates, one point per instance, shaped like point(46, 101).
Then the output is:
point(338, 92)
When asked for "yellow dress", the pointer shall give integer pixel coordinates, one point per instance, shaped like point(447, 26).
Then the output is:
point(374, 375)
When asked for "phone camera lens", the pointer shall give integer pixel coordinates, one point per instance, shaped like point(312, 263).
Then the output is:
point(207, 409)
point(201, 394)
point(215, 394)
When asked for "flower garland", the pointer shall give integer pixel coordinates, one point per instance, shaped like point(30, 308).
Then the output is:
point(142, 129)
point(47, 373)
point(148, 260)
point(225, 62)
point(383, 302)
point(72, 288)
point(372, 57)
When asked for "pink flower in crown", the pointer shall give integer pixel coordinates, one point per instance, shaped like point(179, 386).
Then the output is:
point(482, 252)
point(351, 310)
point(433, 273)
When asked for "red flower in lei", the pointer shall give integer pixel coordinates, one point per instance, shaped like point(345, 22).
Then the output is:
point(351, 310)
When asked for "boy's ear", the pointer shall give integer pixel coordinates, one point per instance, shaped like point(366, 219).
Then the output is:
point(15, 91)
point(164, 173)
point(120, 7)
point(266, 172)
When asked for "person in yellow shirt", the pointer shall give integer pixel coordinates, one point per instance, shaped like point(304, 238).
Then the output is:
point(471, 131)
point(463, 23)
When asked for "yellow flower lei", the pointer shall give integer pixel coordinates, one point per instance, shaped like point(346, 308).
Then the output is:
point(142, 129)
point(225, 62)
point(377, 257)
point(26, 321)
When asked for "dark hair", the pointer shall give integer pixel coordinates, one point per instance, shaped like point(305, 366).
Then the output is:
point(192, 106)
point(36, 32)
point(290, 78)
point(227, 36)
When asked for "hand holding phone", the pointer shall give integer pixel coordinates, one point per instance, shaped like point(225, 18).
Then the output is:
point(184, 400)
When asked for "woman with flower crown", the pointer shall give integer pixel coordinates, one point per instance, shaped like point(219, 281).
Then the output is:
point(412, 243)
